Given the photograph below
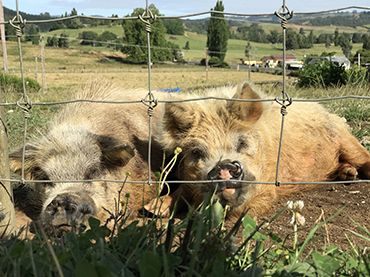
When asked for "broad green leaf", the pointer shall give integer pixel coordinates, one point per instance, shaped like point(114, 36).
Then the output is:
point(325, 265)
point(150, 265)
point(84, 269)
point(250, 226)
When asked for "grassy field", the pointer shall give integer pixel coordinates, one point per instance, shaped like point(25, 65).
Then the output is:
point(236, 48)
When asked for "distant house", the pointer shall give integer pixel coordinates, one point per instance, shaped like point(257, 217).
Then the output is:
point(252, 62)
point(273, 61)
point(339, 60)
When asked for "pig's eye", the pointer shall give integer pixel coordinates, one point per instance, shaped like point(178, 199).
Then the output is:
point(39, 174)
point(242, 144)
point(91, 173)
point(198, 154)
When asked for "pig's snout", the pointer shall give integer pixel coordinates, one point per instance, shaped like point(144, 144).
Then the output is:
point(69, 212)
point(226, 170)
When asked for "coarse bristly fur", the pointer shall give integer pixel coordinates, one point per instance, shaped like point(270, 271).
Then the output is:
point(89, 141)
point(221, 139)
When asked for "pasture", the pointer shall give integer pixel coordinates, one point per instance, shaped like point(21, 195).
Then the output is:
point(336, 235)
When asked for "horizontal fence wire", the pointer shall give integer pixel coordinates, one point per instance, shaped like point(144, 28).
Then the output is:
point(184, 182)
point(17, 20)
point(309, 100)
point(190, 15)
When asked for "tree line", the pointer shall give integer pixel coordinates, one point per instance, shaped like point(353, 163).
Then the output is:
point(218, 32)
point(351, 19)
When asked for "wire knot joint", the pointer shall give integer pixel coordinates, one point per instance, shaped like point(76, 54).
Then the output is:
point(18, 23)
point(25, 105)
point(284, 14)
point(150, 102)
point(284, 103)
point(148, 18)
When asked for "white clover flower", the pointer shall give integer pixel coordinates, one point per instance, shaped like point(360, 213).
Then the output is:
point(296, 207)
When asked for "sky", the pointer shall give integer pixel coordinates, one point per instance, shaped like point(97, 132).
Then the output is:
point(174, 7)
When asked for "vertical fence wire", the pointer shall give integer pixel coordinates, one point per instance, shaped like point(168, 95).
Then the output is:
point(284, 101)
point(24, 103)
point(150, 101)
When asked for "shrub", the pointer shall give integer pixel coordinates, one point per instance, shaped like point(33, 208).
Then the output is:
point(322, 74)
point(11, 83)
point(63, 41)
point(52, 41)
point(89, 38)
point(214, 62)
point(357, 76)
point(107, 36)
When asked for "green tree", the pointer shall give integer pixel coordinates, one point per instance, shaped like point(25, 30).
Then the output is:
point(257, 33)
point(356, 38)
point(33, 34)
point(187, 45)
point(89, 38)
point(74, 12)
point(366, 42)
point(344, 41)
point(217, 33)
point(365, 56)
point(311, 38)
point(174, 26)
point(74, 23)
point(274, 37)
point(52, 41)
point(247, 50)
point(336, 36)
point(63, 41)
point(292, 40)
point(136, 36)
point(107, 36)
point(324, 38)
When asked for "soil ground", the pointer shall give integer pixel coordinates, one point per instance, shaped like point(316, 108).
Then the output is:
point(343, 207)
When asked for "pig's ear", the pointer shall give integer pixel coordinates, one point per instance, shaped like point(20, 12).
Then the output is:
point(246, 111)
point(114, 153)
point(178, 119)
point(15, 160)
point(117, 155)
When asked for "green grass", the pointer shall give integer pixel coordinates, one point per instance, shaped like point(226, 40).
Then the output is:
point(236, 47)
point(116, 29)
point(195, 246)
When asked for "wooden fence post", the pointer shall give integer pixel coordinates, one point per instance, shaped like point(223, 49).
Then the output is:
point(206, 64)
point(3, 39)
point(42, 54)
point(6, 194)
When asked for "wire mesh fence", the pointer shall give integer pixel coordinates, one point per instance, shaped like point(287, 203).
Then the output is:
point(283, 14)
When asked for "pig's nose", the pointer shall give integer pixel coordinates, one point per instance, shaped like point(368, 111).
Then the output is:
point(226, 170)
point(68, 210)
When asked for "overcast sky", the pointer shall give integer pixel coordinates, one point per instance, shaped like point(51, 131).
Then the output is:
point(174, 7)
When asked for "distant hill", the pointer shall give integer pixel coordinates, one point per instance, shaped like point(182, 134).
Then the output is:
point(349, 19)
point(9, 14)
